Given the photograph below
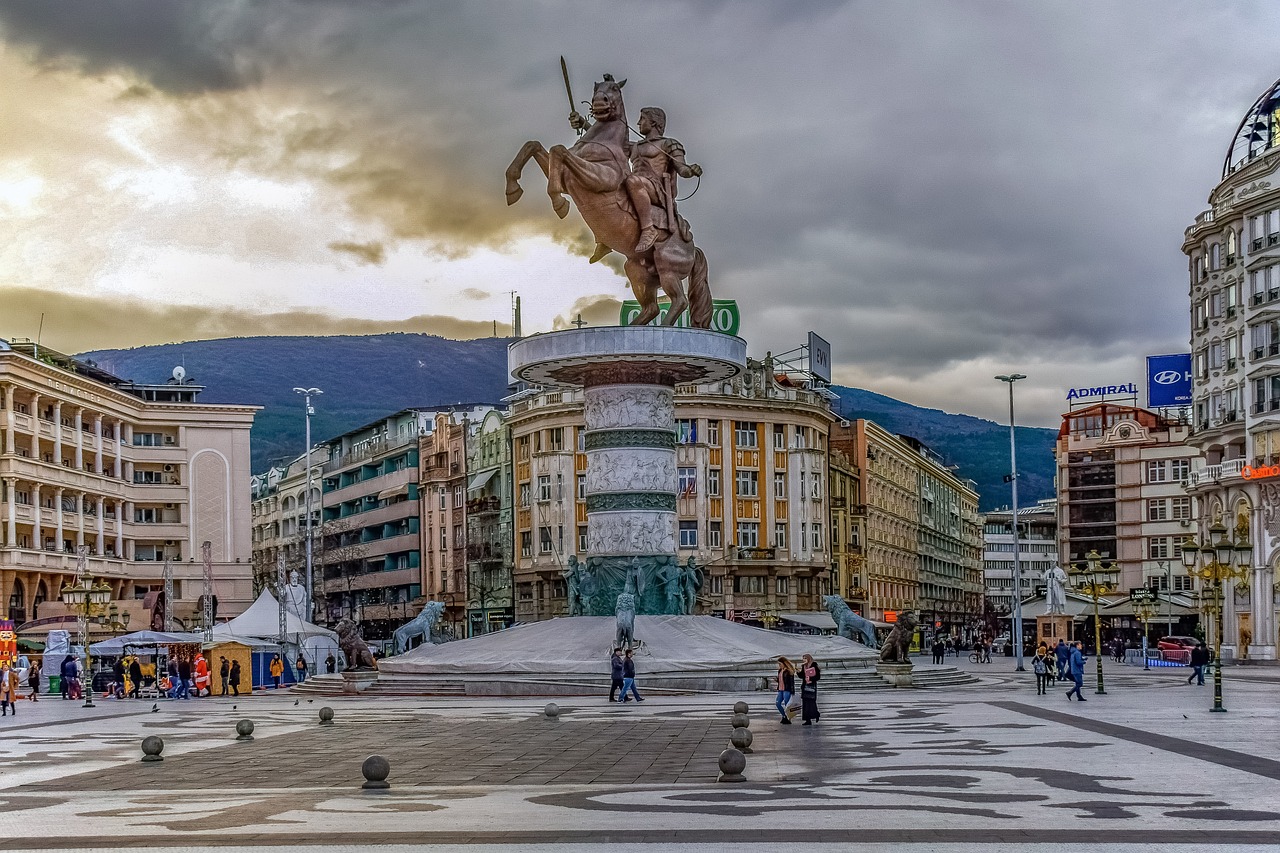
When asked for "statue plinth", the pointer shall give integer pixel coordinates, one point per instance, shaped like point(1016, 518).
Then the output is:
point(628, 375)
point(1053, 627)
point(895, 674)
point(358, 680)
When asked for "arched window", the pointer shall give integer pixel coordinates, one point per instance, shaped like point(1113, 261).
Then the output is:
point(18, 603)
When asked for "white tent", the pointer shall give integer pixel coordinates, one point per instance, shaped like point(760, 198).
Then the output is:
point(262, 620)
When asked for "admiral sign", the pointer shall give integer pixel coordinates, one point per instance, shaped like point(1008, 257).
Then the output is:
point(1168, 380)
point(1127, 389)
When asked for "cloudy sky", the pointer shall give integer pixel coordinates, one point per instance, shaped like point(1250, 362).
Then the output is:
point(946, 191)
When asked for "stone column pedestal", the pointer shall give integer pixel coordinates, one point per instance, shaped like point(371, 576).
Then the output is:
point(359, 680)
point(629, 375)
point(895, 674)
point(1053, 627)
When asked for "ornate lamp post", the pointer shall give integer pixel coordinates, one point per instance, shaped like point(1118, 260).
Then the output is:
point(1095, 578)
point(1216, 562)
point(1144, 607)
point(88, 599)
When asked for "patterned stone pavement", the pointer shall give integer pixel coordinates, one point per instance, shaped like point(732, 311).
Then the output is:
point(1144, 767)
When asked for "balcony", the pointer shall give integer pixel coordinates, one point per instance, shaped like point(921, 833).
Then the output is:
point(1217, 473)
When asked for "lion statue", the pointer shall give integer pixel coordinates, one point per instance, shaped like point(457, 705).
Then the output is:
point(625, 636)
point(420, 626)
point(353, 646)
point(897, 646)
point(850, 625)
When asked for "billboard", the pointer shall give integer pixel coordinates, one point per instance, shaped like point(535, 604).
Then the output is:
point(1168, 380)
point(819, 358)
point(724, 315)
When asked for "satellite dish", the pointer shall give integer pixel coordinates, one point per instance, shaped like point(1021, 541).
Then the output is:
point(179, 374)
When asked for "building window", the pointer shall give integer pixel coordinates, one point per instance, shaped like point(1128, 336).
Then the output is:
point(444, 538)
point(686, 431)
point(557, 438)
point(748, 484)
point(443, 493)
point(1179, 470)
point(713, 482)
point(582, 487)
point(544, 540)
point(804, 586)
point(1158, 509)
point(1182, 583)
point(459, 539)
point(582, 440)
point(783, 586)
point(524, 494)
point(687, 481)
point(717, 584)
point(744, 434)
point(815, 488)
point(780, 534)
point(713, 432)
point(1158, 548)
point(713, 534)
point(544, 487)
point(1181, 508)
point(817, 536)
point(1157, 471)
point(582, 539)
point(559, 538)
point(526, 543)
point(748, 584)
point(779, 485)
point(748, 534)
point(537, 441)
point(560, 488)
point(779, 437)
point(688, 534)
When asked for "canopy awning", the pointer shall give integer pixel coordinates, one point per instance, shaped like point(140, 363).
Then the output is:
point(818, 619)
point(143, 639)
point(1174, 605)
point(393, 492)
point(479, 480)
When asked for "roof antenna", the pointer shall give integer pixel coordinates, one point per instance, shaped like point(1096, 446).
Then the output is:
point(39, 334)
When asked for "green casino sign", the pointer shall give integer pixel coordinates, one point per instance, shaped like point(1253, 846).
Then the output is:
point(724, 315)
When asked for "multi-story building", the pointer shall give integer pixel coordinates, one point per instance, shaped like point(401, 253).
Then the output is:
point(1233, 250)
point(848, 564)
point(950, 547)
point(280, 519)
point(136, 474)
point(490, 513)
point(752, 505)
point(444, 517)
point(1121, 477)
point(1037, 552)
point(890, 515)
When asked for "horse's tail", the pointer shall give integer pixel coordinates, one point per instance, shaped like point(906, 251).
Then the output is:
point(700, 308)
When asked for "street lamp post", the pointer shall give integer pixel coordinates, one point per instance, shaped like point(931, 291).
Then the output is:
point(88, 599)
point(1013, 483)
point(306, 393)
point(1216, 562)
point(1094, 579)
point(1144, 607)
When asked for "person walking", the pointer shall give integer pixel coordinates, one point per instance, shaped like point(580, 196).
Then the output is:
point(1042, 663)
point(8, 690)
point(67, 672)
point(172, 669)
point(224, 673)
point(184, 679)
point(629, 679)
point(786, 688)
point(301, 666)
point(1199, 660)
point(33, 680)
point(234, 678)
point(276, 669)
point(1063, 654)
point(939, 649)
point(615, 675)
point(1076, 668)
point(135, 678)
point(811, 673)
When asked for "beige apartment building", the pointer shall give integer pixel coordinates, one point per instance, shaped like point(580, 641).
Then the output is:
point(135, 474)
point(848, 560)
point(443, 486)
point(752, 503)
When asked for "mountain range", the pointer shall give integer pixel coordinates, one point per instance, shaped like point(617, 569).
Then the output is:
point(366, 377)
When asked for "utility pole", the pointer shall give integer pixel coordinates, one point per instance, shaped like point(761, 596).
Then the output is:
point(1017, 567)
point(306, 393)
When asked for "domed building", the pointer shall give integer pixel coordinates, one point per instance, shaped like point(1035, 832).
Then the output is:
point(1233, 250)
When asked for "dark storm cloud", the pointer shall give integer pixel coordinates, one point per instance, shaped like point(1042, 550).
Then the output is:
point(924, 184)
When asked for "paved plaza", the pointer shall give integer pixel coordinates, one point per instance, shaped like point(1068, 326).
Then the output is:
point(990, 766)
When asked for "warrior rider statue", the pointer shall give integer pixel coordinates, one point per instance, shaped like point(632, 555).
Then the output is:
point(656, 161)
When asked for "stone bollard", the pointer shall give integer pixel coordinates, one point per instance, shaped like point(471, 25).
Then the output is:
point(732, 763)
point(244, 730)
point(326, 716)
point(375, 770)
point(552, 710)
point(741, 708)
point(152, 746)
point(741, 741)
point(740, 721)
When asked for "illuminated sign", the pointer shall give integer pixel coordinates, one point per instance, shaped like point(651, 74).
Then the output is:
point(1128, 389)
point(724, 315)
point(1169, 380)
point(1250, 472)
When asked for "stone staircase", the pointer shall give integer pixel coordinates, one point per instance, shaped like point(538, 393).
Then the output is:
point(921, 677)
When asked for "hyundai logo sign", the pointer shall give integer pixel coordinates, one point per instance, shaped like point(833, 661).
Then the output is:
point(1169, 380)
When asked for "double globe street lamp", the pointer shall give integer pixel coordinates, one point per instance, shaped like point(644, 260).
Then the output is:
point(1217, 561)
point(1095, 579)
point(87, 599)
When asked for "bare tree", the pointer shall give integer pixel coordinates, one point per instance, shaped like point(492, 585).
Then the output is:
point(337, 555)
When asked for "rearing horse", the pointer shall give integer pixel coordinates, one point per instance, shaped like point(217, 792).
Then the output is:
point(592, 173)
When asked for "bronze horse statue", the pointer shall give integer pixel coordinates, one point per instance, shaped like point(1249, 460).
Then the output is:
point(592, 173)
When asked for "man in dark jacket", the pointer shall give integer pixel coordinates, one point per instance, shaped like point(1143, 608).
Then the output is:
point(135, 678)
point(184, 679)
point(1199, 660)
point(1076, 668)
point(68, 673)
point(1063, 654)
point(629, 679)
point(615, 674)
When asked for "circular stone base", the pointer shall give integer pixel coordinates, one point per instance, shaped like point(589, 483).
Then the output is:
point(605, 355)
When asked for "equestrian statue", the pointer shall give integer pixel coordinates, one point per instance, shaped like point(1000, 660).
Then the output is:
point(626, 193)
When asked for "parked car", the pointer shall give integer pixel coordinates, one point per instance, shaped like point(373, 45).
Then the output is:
point(1174, 644)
